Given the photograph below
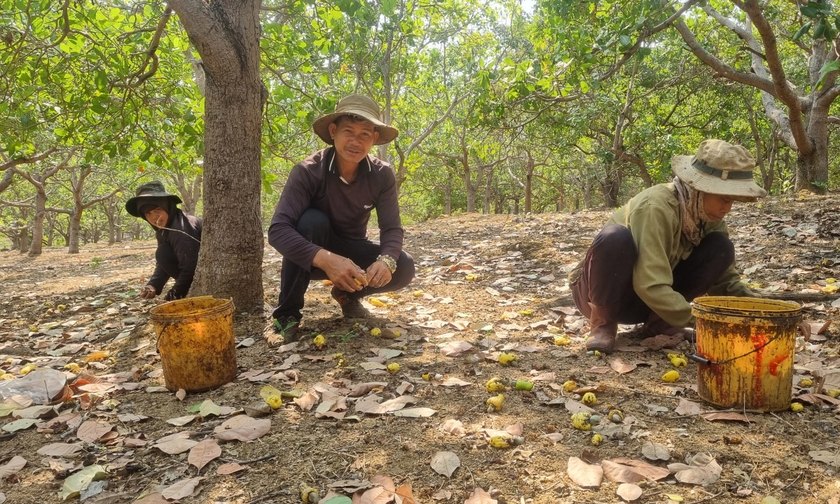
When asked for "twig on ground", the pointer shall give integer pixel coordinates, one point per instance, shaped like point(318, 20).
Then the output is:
point(267, 496)
point(707, 499)
point(252, 461)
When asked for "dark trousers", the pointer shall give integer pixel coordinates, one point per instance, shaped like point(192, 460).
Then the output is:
point(607, 275)
point(314, 225)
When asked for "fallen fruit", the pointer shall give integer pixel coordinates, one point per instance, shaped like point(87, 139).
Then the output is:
point(806, 382)
point(796, 406)
point(376, 332)
point(678, 360)
point(580, 421)
point(562, 340)
point(589, 399)
point(417, 293)
point(671, 376)
point(308, 494)
point(506, 359)
point(274, 401)
point(376, 302)
point(495, 403)
point(569, 385)
point(523, 385)
point(28, 368)
point(319, 341)
point(526, 313)
point(597, 439)
point(394, 367)
point(427, 376)
point(471, 277)
point(72, 367)
point(499, 442)
point(834, 393)
point(615, 416)
point(494, 385)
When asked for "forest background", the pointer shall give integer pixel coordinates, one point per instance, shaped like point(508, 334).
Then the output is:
point(503, 106)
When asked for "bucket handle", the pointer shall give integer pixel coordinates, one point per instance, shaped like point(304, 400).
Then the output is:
point(703, 360)
point(163, 327)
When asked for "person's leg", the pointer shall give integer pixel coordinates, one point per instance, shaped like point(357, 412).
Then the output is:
point(313, 225)
point(364, 253)
point(604, 291)
point(694, 276)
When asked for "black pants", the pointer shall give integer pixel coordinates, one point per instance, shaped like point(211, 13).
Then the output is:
point(607, 275)
point(314, 225)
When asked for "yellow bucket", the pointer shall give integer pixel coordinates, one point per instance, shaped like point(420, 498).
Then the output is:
point(195, 342)
point(745, 350)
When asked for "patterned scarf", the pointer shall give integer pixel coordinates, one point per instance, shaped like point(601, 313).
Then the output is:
point(694, 216)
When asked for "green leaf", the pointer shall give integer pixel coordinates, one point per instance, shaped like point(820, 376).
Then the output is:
point(624, 40)
point(208, 407)
point(78, 482)
point(389, 7)
point(809, 11)
point(831, 66)
point(802, 31)
point(101, 81)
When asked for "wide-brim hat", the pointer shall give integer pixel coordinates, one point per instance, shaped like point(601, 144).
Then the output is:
point(359, 106)
point(153, 189)
point(719, 168)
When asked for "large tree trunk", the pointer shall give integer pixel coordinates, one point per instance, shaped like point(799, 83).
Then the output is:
point(36, 246)
point(75, 228)
point(226, 34)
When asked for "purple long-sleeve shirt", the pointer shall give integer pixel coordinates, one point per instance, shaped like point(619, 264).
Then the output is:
point(315, 183)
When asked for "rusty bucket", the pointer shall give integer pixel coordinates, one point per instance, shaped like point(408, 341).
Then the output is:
point(745, 349)
point(195, 341)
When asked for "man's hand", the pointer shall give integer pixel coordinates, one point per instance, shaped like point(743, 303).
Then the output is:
point(378, 274)
point(148, 292)
point(344, 273)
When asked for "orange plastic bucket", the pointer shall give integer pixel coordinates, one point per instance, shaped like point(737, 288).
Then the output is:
point(195, 341)
point(745, 349)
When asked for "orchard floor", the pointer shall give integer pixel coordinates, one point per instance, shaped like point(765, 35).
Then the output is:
point(496, 282)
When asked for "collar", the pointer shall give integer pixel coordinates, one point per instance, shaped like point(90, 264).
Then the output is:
point(331, 167)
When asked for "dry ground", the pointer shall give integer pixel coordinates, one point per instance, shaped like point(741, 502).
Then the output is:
point(496, 282)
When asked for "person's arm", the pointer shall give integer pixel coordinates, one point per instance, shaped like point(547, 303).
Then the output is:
point(653, 228)
point(185, 248)
point(296, 197)
point(729, 284)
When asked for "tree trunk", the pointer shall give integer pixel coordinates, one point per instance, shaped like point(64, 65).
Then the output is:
point(23, 240)
point(226, 34)
point(36, 247)
point(75, 228)
point(488, 189)
point(610, 187)
point(470, 191)
point(448, 209)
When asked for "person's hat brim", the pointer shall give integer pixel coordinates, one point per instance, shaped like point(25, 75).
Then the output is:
point(740, 189)
point(321, 126)
point(132, 206)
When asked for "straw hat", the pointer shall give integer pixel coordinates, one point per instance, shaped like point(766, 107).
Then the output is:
point(148, 192)
point(719, 168)
point(355, 105)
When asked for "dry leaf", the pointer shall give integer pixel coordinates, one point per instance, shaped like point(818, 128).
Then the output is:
point(714, 416)
point(203, 453)
point(176, 446)
point(370, 405)
point(181, 489)
point(91, 431)
point(621, 367)
point(181, 421)
point(230, 468)
point(655, 451)
point(154, 498)
point(625, 470)
point(454, 382)
point(384, 481)
point(415, 412)
point(363, 388)
point(376, 495)
point(576, 407)
point(12, 466)
point(554, 436)
point(405, 492)
point(453, 426)
point(243, 428)
point(307, 401)
point(829, 457)
point(701, 470)
point(181, 394)
point(629, 491)
point(445, 463)
point(479, 496)
point(454, 348)
point(583, 474)
point(687, 408)
point(60, 449)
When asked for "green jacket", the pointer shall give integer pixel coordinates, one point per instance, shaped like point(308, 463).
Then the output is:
point(653, 218)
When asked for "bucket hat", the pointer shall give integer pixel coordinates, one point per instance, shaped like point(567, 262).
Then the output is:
point(355, 105)
point(719, 168)
point(153, 189)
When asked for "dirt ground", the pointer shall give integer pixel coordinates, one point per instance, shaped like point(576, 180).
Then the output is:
point(495, 282)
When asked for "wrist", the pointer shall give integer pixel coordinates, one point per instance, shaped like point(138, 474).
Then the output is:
point(389, 262)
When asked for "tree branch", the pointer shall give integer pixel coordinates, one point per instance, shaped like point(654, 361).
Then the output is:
point(26, 160)
point(151, 54)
